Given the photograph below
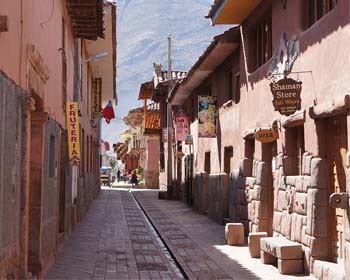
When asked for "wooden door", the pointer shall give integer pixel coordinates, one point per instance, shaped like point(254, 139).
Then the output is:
point(269, 153)
point(337, 155)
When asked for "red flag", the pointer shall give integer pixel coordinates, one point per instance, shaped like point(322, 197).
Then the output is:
point(108, 112)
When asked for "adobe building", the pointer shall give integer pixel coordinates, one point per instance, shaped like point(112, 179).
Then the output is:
point(45, 63)
point(151, 134)
point(279, 163)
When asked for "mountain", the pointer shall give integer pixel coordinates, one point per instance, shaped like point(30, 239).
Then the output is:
point(142, 30)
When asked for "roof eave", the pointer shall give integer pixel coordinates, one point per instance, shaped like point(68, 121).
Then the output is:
point(231, 11)
point(216, 53)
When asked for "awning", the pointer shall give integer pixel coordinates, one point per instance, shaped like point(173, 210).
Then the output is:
point(221, 47)
point(146, 90)
point(231, 11)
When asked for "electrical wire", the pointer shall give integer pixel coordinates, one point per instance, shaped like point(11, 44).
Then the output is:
point(51, 15)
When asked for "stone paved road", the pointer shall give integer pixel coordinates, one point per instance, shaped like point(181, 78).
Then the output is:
point(114, 241)
point(199, 245)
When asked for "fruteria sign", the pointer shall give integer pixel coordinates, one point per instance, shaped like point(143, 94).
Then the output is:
point(266, 135)
point(73, 133)
point(182, 127)
point(207, 114)
point(286, 96)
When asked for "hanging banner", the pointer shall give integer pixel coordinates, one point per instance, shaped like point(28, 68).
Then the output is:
point(73, 133)
point(165, 135)
point(286, 96)
point(189, 139)
point(182, 127)
point(97, 97)
point(207, 114)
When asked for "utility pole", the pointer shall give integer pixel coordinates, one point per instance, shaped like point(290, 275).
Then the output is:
point(169, 125)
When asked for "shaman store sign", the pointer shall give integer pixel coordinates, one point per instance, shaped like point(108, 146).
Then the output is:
point(73, 133)
point(286, 96)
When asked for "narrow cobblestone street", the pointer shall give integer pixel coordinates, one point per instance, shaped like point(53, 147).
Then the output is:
point(115, 240)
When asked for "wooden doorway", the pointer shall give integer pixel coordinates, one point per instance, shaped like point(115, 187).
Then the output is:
point(37, 141)
point(62, 186)
point(188, 179)
point(269, 152)
point(337, 149)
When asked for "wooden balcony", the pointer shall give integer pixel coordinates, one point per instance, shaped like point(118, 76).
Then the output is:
point(152, 120)
point(87, 18)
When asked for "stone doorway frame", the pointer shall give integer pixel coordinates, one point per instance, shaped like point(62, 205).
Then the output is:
point(37, 76)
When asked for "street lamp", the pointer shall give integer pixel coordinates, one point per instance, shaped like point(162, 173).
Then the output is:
point(96, 57)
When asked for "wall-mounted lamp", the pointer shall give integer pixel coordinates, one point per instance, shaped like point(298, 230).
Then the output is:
point(96, 57)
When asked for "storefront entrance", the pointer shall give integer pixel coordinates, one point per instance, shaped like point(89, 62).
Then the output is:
point(188, 179)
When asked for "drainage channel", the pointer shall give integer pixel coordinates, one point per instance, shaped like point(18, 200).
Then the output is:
point(166, 250)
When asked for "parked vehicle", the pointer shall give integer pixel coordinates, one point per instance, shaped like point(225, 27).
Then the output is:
point(105, 177)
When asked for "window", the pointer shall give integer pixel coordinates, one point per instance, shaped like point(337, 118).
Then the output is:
point(237, 88)
point(82, 147)
point(228, 154)
point(295, 148)
point(88, 93)
point(207, 163)
point(262, 40)
point(229, 84)
point(87, 154)
point(52, 157)
point(92, 155)
point(64, 66)
point(81, 69)
point(316, 9)
point(249, 148)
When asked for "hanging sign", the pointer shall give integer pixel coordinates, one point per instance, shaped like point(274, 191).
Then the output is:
point(165, 135)
point(266, 135)
point(189, 139)
point(73, 133)
point(286, 96)
point(182, 127)
point(180, 154)
point(207, 114)
point(97, 97)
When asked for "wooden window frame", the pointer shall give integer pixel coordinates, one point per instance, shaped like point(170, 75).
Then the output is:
point(229, 84)
point(295, 146)
point(64, 66)
point(315, 13)
point(262, 42)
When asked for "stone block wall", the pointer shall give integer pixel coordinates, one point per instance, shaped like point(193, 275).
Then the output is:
point(249, 203)
point(88, 189)
point(218, 208)
point(49, 216)
point(301, 207)
point(151, 179)
point(12, 150)
point(347, 220)
point(201, 192)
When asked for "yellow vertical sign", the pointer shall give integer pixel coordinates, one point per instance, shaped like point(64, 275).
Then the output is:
point(73, 133)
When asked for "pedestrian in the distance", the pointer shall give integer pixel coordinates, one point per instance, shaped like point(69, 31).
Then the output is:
point(118, 175)
point(133, 178)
